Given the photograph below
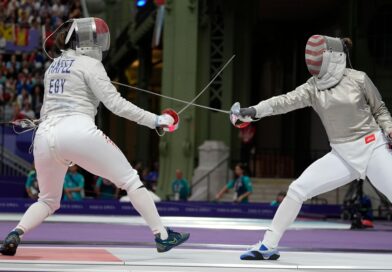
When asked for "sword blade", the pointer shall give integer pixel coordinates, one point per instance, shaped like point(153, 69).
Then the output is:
point(168, 97)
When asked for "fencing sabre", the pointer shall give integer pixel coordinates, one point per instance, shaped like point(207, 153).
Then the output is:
point(175, 115)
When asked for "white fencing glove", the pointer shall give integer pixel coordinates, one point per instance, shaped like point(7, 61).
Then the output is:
point(164, 120)
point(168, 120)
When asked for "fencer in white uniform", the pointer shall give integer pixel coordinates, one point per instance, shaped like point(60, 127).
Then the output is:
point(75, 83)
point(358, 126)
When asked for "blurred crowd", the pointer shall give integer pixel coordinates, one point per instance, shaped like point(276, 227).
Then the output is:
point(80, 184)
point(21, 73)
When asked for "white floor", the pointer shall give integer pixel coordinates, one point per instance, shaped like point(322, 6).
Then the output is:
point(185, 222)
point(203, 260)
point(189, 260)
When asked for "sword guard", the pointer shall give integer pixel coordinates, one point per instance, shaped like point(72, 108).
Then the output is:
point(235, 117)
point(176, 118)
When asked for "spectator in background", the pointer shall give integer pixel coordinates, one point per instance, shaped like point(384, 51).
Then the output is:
point(27, 112)
point(23, 97)
point(279, 199)
point(154, 173)
point(13, 63)
point(23, 83)
point(26, 63)
point(38, 80)
point(10, 84)
point(104, 189)
point(151, 178)
point(242, 186)
point(73, 184)
point(31, 185)
point(180, 187)
point(16, 112)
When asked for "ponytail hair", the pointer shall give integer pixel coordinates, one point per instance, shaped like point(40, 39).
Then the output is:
point(348, 43)
point(60, 38)
point(347, 46)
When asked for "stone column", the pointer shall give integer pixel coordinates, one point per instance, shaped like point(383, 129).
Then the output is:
point(211, 153)
point(180, 63)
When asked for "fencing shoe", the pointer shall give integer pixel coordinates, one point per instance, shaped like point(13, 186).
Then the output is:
point(10, 244)
point(174, 239)
point(260, 252)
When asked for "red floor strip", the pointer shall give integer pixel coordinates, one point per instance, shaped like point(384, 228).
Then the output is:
point(62, 254)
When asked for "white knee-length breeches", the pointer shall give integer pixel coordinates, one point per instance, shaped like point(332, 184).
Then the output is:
point(76, 139)
point(324, 175)
point(331, 172)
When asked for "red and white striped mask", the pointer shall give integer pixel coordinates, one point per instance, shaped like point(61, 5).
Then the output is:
point(314, 50)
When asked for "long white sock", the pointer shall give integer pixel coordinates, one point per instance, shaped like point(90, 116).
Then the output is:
point(143, 203)
point(284, 217)
point(34, 216)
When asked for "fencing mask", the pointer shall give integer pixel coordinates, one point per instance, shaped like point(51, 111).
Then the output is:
point(326, 60)
point(92, 37)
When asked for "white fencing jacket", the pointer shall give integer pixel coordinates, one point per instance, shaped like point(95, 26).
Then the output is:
point(349, 111)
point(352, 113)
point(75, 84)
